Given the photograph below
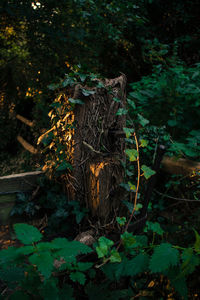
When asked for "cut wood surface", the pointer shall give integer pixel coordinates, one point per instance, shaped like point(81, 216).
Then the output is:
point(180, 166)
point(26, 145)
point(19, 182)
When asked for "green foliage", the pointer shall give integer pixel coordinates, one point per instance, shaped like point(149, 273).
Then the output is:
point(164, 257)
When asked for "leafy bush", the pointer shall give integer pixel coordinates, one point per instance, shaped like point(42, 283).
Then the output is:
point(48, 270)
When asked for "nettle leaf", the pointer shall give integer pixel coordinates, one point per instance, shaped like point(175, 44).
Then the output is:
point(70, 249)
point(121, 111)
point(148, 172)
point(87, 92)
point(136, 265)
point(50, 290)
point(75, 101)
point(104, 246)
point(84, 266)
point(8, 255)
point(66, 293)
point(155, 227)
point(27, 234)
point(132, 154)
point(190, 261)
point(19, 295)
point(44, 262)
point(164, 257)
point(78, 277)
point(142, 120)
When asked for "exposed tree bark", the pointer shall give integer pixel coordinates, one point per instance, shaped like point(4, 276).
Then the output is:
point(97, 151)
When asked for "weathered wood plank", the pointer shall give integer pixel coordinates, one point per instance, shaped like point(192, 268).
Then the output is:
point(25, 120)
point(26, 145)
point(19, 182)
point(180, 166)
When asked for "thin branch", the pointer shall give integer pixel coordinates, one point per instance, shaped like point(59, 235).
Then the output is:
point(175, 198)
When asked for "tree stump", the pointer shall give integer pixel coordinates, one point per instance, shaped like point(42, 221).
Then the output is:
point(98, 147)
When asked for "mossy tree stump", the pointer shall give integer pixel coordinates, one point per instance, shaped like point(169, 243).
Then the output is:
point(98, 147)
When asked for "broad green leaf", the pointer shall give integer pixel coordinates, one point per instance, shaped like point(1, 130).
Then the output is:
point(8, 255)
point(154, 226)
point(27, 234)
point(84, 266)
point(132, 154)
point(115, 257)
point(121, 221)
point(78, 277)
point(136, 265)
point(19, 295)
point(103, 247)
point(164, 257)
point(66, 293)
point(44, 262)
point(148, 172)
point(128, 239)
point(50, 290)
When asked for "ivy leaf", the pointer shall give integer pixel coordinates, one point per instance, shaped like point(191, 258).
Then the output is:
point(64, 166)
point(27, 234)
point(121, 111)
point(142, 120)
point(44, 262)
point(148, 172)
point(143, 143)
point(128, 131)
point(87, 92)
point(132, 154)
point(164, 257)
point(121, 221)
point(78, 277)
point(75, 101)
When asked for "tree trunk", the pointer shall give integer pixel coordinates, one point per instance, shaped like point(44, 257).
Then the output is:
point(97, 148)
